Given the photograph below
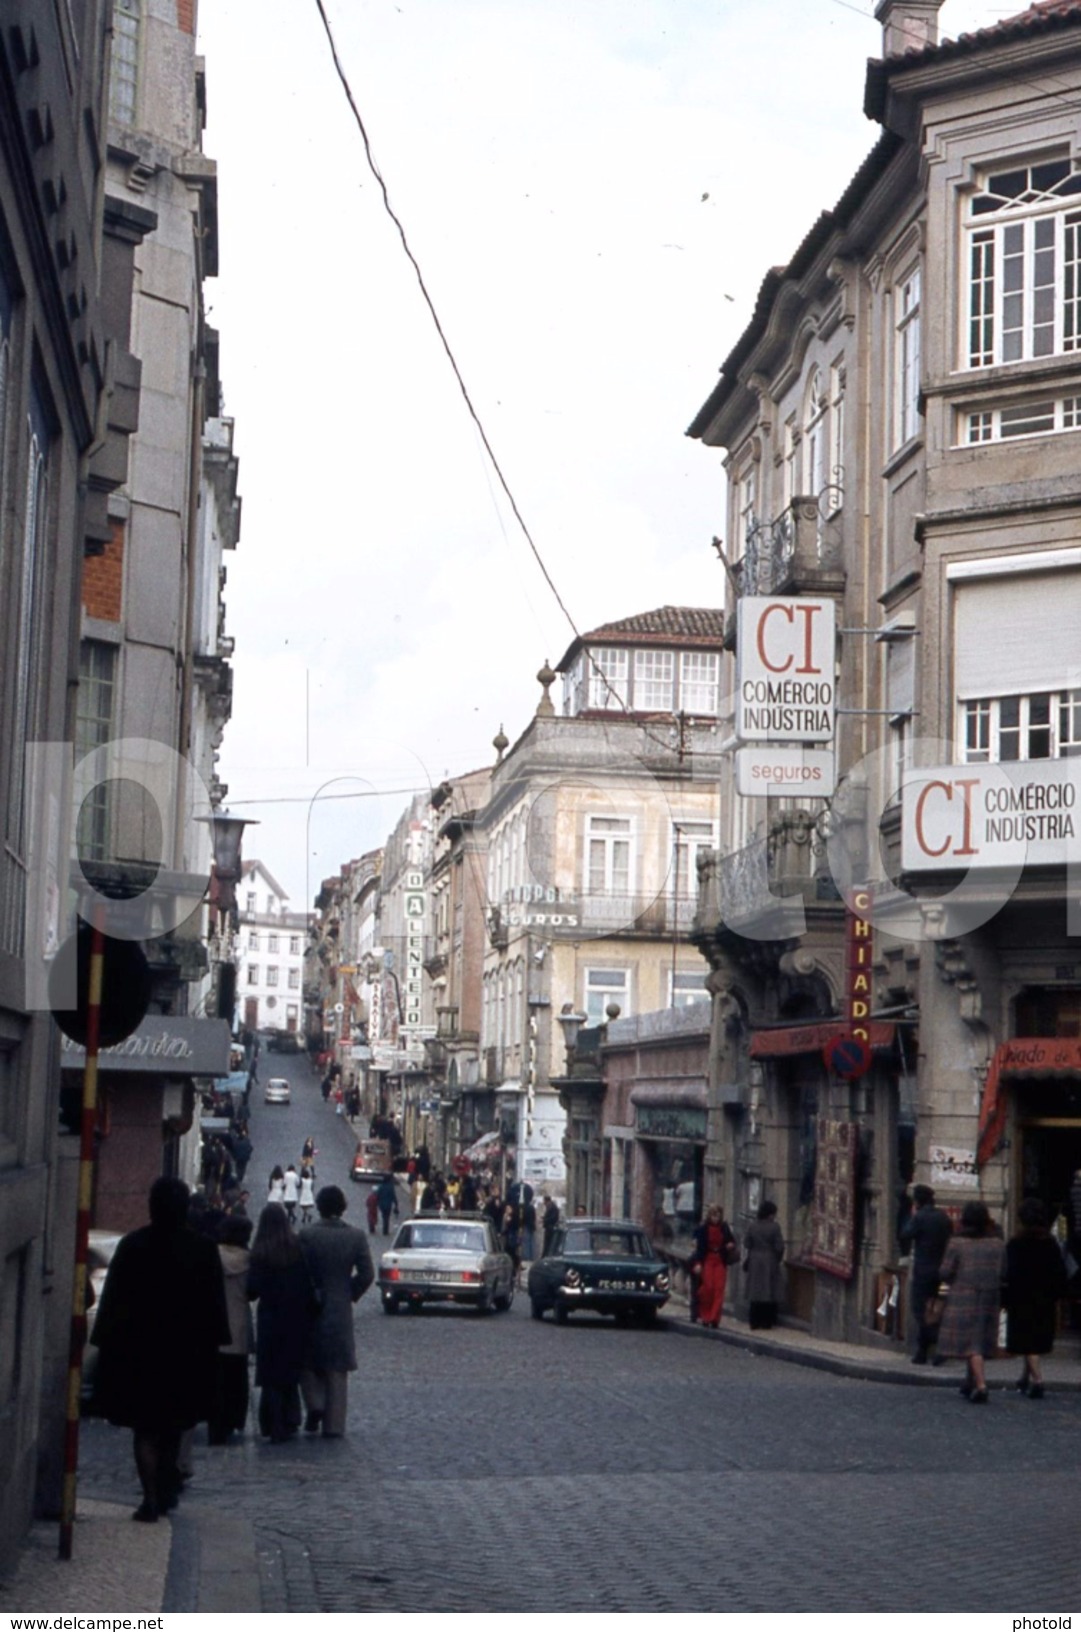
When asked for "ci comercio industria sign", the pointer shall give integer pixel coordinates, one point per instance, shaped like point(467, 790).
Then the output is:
point(1019, 814)
point(786, 648)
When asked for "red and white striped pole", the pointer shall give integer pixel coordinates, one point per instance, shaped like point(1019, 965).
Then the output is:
point(82, 1233)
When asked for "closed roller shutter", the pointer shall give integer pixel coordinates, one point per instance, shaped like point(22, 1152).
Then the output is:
point(1017, 633)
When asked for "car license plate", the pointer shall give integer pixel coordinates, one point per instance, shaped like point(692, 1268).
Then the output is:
point(613, 1286)
point(438, 1275)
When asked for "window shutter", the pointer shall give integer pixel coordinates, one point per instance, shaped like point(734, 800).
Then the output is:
point(1017, 633)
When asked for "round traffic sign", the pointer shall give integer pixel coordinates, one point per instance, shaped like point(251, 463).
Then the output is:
point(849, 1057)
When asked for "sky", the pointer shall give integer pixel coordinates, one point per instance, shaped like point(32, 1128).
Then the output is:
point(593, 190)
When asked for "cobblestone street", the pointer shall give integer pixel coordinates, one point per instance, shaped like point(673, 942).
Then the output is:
point(501, 1463)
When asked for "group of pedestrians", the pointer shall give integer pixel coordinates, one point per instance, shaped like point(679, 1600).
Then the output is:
point(174, 1331)
point(294, 1189)
point(716, 1250)
point(962, 1282)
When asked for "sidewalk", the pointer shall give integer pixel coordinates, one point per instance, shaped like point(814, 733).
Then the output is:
point(868, 1363)
point(203, 1559)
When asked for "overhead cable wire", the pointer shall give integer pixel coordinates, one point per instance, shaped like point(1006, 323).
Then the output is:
point(459, 377)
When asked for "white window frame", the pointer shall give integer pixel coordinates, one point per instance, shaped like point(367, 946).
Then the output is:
point(608, 689)
point(1010, 244)
point(815, 434)
point(681, 993)
point(906, 359)
point(253, 974)
point(609, 834)
point(272, 974)
point(272, 943)
point(294, 980)
point(295, 948)
point(654, 680)
point(835, 473)
point(701, 693)
point(124, 62)
point(603, 984)
point(980, 729)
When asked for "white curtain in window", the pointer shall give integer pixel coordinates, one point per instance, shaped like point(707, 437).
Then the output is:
point(1017, 633)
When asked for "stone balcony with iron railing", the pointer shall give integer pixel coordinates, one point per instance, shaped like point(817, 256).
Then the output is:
point(758, 886)
point(639, 915)
point(800, 552)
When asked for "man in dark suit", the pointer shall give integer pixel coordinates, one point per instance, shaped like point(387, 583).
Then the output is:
point(340, 1263)
point(925, 1234)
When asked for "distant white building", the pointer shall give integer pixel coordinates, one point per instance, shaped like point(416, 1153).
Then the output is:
point(270, 954)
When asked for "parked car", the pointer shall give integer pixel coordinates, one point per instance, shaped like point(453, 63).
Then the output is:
point(602, 1264)
point(452, 1258)
point(276, 1092)
point(283, 1042)
point(371, 1162)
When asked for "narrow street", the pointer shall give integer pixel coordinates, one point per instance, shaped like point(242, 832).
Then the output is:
point(501, 1463)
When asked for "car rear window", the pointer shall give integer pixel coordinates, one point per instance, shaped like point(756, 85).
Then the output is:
point(608, 1243)
point(452, 1238)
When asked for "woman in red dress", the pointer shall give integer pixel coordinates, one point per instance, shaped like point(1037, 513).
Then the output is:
point(715, 1247)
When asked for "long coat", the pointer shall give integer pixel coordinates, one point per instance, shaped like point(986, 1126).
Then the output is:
point(340, 1262)
point(159, 1325)
point(764, 1246)
point(283, 1321)
point(974, 1266)
point(1035, 1280)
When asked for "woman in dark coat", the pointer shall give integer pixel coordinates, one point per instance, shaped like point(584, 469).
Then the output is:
point(764, 1247)
point(972, 1271)
point(160, 1322)
point(714, 1249)
point(278, 1277)
point(1035, 1281)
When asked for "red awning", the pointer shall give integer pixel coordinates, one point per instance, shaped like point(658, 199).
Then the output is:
point(1021, 1056)
point(812, 1037)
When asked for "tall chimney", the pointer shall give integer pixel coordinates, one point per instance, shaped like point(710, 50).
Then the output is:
point(907, 25)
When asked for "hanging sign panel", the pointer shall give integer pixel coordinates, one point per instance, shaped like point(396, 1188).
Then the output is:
point(1017, 814)
point(774, 771)
point(785, 665)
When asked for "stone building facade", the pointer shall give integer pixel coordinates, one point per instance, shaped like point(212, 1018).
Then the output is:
point(900, 437)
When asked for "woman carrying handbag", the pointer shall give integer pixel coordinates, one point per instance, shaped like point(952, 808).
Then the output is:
point(715, 1248)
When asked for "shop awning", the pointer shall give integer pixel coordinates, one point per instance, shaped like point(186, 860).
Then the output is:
point(1020, 1056)
point(487, 1142)
point(813, 1037)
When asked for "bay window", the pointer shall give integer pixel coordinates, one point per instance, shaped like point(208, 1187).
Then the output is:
point(1024, 265)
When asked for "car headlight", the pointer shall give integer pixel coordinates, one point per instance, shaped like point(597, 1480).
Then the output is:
point(571, 1277)
point(660, 1281)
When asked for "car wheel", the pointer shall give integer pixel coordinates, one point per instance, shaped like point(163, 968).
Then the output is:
point(561, 1312)
point(647, 1317)
point(390, 1306)
point(503, 1303)
point(485, 1305)
point(536, 1308)
point(415, 1305)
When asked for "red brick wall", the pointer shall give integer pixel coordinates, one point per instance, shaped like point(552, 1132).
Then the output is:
point(103, 579)
point(185, 15)
point(130, 1155)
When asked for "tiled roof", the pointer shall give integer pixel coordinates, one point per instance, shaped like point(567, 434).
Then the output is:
point(1040, 18)
point(666, 626)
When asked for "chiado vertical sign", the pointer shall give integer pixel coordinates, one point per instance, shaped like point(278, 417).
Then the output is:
point(785, 665)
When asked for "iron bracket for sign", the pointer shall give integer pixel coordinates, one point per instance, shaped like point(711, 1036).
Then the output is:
point(893, 713)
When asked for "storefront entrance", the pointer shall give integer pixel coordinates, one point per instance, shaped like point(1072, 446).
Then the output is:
point(1048, 1155)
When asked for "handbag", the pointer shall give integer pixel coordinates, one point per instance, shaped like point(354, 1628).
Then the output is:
point(935, 1308)
point(731, 1252)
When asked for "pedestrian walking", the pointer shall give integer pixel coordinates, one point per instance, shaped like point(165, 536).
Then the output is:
point(715, 1248)
point(158, 1328)
point(926, 1234)
point(1035, 1280)
point(972, 1272)
point(280, 1284)
point(386, 1199)
point(340, 1263)
point(276, 1186)
point(763, 1246)
point(291, 1192)
point(307, 1193)
point(230, 1411)
point(371, 1207)
point(549, 1224)
point(309, 1153)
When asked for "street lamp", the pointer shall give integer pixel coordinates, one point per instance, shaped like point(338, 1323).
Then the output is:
point(572, 1023)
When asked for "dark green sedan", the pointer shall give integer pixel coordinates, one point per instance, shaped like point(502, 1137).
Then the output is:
point(603, 1264)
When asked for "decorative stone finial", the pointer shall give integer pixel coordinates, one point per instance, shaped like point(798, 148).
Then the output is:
point(545, 674)
point(500, 744)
